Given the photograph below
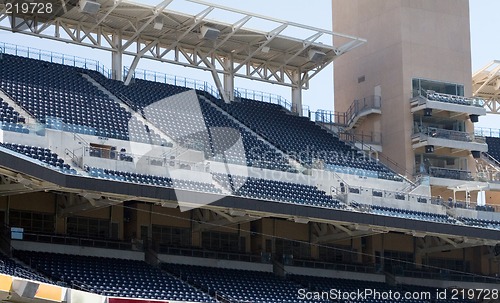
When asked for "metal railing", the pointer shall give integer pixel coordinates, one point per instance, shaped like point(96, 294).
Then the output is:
point(449, 173)
point(69, 240)
point(363, 137)
point(346, 118)
point(122, 156)
point(53, 57)
point(487, 132)
point(446, 275)
point(201, 253)
point(334, 266)
point(446, 98)
point(447, 134)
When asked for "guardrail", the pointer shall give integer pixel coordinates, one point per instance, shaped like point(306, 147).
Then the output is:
point(446, 275)
point(345, 118)
point(487, 132)
point(448, 173)
point(446, 98)
point(334, 266)
point(200, 253)
point(447, 134)
point(53, 57)
point(68, 240)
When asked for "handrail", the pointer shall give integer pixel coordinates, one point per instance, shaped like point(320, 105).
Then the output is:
point(450, 173)
point(388, 162)
point(69, 240)
point(447, 134)
point(484, 131)
point(53, 57)
point(453, 99)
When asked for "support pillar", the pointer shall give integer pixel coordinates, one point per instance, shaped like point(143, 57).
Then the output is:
point(117, 59)
point(297, 94)
point(229, 78)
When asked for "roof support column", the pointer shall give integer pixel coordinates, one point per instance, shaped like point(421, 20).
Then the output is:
point(297, 93)
point(229, 78)
point(117, 58)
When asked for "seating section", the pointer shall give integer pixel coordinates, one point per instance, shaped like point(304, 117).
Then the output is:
point(43, 154)
point(238, 285)
point(10, 119)
point(480, 223)
point(48, 90)
point(301, 138)
point(256, 188)
point(113, 277)
point(322, 284)
point(493, 147)
point(196, 123)
point(10, 267)
point(8, 114)
point(151, 180)
point(404, 213)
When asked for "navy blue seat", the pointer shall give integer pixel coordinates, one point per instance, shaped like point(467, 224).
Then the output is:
point(113, 277)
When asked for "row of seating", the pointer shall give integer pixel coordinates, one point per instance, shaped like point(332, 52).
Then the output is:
point(239, 285)
point(491, 224)
point(322, 284)
point(48, 90)
point(190, 283)
point(112, 277)
point(39, 153)
point(9, 267)
point(256, 188)
point(8, 114)
point(404, 213)
point(493, 147)
point(195, 123)
point(299, 137)
point(151, 180)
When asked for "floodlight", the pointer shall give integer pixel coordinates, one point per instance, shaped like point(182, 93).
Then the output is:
point(158, 25)
point(209, 33)
point(316, 56)
point(89, 6)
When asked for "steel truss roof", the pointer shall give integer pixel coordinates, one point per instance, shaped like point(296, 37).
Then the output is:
point(486, 85)
point(128, 28)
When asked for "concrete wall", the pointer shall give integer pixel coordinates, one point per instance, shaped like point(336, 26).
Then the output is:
point(427, 39)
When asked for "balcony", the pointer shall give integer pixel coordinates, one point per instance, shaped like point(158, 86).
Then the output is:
point(427, 99)
point(456, 140)
point(447, 173)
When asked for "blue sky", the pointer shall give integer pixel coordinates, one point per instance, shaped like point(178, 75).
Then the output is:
point(485, 44)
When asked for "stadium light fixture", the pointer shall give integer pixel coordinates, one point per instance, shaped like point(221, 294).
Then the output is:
point(89, 6)
point(316, 56)
point(158, 24)
point(209, 33)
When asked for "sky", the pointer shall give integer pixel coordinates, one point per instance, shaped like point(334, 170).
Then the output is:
point(485, 45)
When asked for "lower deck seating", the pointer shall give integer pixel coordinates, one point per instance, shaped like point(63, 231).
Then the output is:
point(43, 154)
point(113, 277)
point(10, 267)
point(239, 285)
point(346, 285)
